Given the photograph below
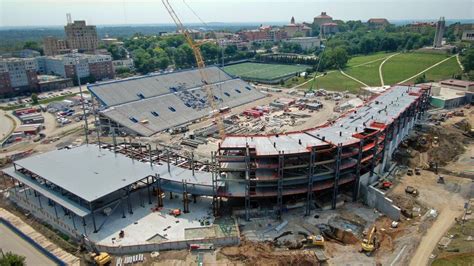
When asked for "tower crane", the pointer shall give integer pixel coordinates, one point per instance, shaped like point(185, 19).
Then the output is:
point(201, 65)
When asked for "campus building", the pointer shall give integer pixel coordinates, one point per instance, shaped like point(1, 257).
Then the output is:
point(17, 75)
point(306, 43)
point(79, 36)
point(98, 66)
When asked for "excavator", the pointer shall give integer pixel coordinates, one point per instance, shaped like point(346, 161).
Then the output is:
point(201, 66)
point(369, 244)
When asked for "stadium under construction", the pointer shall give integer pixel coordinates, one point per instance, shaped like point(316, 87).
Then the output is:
point(317, 166)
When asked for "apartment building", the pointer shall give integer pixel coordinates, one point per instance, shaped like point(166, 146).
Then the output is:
point(96, 66)
point(55, 46)
point(17, 75)
point(81, 36)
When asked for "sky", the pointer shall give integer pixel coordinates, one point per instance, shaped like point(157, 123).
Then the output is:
point(112, 12)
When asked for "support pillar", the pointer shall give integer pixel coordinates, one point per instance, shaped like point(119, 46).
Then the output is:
point(73, 222)
point(213, 170)
point(192, 162)
point(159, 191)
point(84, 225)
point(247, 184)
point(309, 194)
point(39, 200)
point(355, 193)
point(93, 217)
point(129, 201)
point(336, 179)
point(55, 210)
point(168, 159)
point(280, 184)
point(148, 189)
point(185, 197)
point(374, 154)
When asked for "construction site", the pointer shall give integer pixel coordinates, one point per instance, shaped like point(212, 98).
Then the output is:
point(201, 167)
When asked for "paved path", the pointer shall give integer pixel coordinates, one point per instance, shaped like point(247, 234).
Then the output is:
point(351, 77)
point(429, 241)
point(380, 68)
point(459, 62)
point(318, 76)
point(428, 68)
point(68, 258)
point(11, 242)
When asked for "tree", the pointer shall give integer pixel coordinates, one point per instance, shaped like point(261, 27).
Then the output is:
point(420, 79)
point(117, 52)
point(34, 98)
point(33, 46)
point(11, 259)
point(336, 58)
point(467, 60)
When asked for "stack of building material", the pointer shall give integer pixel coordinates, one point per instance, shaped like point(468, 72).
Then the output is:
point(31, 118)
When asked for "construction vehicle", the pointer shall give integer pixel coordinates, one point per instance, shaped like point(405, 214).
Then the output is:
point(417, 171)
point(101, 258)
point(440, 180)
point(410, 172)
point(314, 241)
point(97, 257)
point(411, 190)
point(175, 212)
point(200, 64)
point(369, 244)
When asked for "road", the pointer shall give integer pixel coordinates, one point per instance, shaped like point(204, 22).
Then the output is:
point(7, 125)
point(14, 243)
point(429, 241)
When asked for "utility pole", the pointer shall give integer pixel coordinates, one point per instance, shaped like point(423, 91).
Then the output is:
point(86, 126)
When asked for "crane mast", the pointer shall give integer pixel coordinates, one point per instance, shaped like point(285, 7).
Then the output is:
point(201, 65)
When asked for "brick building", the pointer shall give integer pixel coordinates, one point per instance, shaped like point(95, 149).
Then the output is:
point(18, 75)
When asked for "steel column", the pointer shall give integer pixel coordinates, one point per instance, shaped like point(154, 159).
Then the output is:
point(355, 193)
point(338, 172)
point(280, 183)
point(309, 194)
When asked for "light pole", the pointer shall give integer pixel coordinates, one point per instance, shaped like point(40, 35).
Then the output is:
point(86, 126)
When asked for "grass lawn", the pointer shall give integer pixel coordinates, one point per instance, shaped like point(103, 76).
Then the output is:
point(465, 254)
point(443, 71)
point(263, 71)
point(335, 81)
point(403, 66)
point(368, 74)
point(361, 59)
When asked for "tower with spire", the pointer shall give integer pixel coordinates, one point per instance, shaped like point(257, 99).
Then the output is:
point(292, 21)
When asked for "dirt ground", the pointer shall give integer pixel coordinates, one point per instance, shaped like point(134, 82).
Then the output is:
point(447, 199)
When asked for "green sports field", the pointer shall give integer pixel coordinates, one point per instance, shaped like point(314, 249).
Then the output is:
point(264, 72)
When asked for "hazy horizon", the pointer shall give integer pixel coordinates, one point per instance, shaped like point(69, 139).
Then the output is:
point(49, 13)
